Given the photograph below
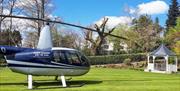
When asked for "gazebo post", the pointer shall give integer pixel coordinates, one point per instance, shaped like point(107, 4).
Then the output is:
point(154, 62)
point(148, 61)
point(166, 59)
point(176, 63)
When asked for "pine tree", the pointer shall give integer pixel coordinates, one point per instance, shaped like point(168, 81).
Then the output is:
point(156, 24)
point(173, 13)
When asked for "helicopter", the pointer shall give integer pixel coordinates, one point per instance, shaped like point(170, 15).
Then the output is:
point(46, 60)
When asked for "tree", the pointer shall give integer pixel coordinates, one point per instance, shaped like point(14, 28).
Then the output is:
point(120, 30)
point(157, 27)
point(1, 12)
point(7, 28)
point(173, 37)
point(68, 39)
point(5, 10)
point(7, 7)
point(147, 34)
point(133, 43)
point(91, 42)
point(37, 9)
point(173, 13)
point(6, 38)
point(31, 39)
point(56, 37)
point(100, 39)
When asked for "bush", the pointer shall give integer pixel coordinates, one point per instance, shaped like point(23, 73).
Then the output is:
point(127, 61)
point(113, 59)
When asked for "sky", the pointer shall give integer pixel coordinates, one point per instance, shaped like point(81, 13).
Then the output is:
point(86, 12)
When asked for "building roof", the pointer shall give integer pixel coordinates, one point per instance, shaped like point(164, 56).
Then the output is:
point(162, 50)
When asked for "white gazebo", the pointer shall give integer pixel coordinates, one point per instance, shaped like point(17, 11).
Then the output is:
point(162, 60)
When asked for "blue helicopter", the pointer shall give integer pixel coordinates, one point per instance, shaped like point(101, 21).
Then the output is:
point(46, 60)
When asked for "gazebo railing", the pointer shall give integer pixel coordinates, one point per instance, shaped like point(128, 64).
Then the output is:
point(160, 66)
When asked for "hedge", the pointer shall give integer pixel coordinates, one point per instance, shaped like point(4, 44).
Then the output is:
point(113, 59)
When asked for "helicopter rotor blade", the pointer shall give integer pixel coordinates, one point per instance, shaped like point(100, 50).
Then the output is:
point(60, 22)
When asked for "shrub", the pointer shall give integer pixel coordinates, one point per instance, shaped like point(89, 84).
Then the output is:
point(127, 61)
point(113, 59)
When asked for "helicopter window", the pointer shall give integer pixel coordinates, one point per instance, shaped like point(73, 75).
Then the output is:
point(56, 56)
point(70, 57)
point(84, 60)
point(59, 57)
point(73, 58)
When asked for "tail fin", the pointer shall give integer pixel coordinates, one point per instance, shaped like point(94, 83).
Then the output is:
point(45, 39)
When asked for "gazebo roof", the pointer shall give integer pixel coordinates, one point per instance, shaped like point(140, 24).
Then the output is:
point(162, 50)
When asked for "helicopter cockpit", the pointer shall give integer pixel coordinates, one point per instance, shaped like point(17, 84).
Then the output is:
point(70, 57)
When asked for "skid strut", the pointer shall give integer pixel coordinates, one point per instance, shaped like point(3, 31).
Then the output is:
point(63, 80)
point(30, 83)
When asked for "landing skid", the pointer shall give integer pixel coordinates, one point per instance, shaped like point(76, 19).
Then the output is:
point(68, 79)
point(58, 87)
point(63, 82)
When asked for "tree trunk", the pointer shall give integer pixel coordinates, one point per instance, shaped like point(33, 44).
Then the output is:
point(0, 27)
point(98, 51)
point(39, 29)
point(99, 48)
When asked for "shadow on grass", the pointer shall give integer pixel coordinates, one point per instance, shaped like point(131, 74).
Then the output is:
point(46, 84)
point(70, 84)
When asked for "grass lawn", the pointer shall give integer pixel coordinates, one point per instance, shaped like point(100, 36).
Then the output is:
point(98, 79)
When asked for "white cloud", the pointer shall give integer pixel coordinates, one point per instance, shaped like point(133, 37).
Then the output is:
point(53, 17)
point(132, 11)
point(6, 11)
point(50, 5)
point(115, 20)
point(153, 7)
